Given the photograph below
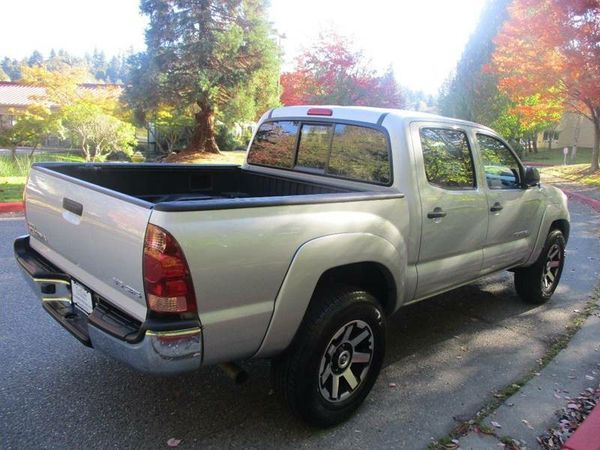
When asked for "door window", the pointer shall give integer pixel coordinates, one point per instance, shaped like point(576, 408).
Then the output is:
point(360, 153)
point(447, 158)
point(500, 165)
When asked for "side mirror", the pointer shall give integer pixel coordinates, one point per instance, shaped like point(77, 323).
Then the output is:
point(532, 177)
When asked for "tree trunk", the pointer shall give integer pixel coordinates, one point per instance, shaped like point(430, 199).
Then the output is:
point(534, 141)
point(203, 136)
point(33, 149)
point(596, 150)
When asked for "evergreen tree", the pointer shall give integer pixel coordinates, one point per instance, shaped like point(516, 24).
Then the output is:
point(35, 58)
point(11, 68)
point(201, 53)
point(114, 71)
point(470, 93)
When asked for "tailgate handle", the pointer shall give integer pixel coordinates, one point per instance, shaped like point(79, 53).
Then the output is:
point(73, 206)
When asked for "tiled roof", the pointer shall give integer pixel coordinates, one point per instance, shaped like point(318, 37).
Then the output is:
point(17, 94)
point(14, 94)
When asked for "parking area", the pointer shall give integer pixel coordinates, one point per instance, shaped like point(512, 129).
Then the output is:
point(446, 356)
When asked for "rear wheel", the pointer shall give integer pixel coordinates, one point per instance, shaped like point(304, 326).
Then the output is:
point(536, 283)
point(335, 358)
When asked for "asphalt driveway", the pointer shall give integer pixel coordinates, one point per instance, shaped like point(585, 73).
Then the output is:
point(445, 358)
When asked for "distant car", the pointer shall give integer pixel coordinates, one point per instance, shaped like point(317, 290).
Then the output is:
point(339, 217)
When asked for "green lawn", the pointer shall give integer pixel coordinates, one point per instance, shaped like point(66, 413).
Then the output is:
point(555, 156)
point(577, 173)
point(11, 189)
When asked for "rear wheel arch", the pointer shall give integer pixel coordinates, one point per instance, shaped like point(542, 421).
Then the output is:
point(371, 276)
point(338, 258)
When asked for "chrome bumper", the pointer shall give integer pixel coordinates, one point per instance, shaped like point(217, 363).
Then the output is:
point(151, 347)
point(161, 353)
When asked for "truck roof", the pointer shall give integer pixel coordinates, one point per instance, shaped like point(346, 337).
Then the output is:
point(361, 114)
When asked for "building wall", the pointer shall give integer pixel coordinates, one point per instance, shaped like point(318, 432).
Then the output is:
point(7, 116)
point(573, 129)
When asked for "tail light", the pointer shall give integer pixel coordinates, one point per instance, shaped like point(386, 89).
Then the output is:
point(167, 281)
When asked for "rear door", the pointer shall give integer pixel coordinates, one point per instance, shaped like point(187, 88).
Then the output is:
point(453, 206)
point(93, 234)
point(515, 213)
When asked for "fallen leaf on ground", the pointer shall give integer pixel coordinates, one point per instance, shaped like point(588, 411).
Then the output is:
point(527, 423)
point(392, 385)
point(173, 442)
point(589, 377)
point(496, 424)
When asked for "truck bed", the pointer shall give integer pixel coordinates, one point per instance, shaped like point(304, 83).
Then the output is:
point(164, 183)
point(90, 220)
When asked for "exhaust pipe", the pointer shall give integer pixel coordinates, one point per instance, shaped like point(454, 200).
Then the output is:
point(235, 372)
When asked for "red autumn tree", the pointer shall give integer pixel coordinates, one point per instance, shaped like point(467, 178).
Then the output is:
point(331, 72)
point(550, 49)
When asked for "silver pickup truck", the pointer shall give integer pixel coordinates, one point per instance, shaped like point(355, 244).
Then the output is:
point(338, 218)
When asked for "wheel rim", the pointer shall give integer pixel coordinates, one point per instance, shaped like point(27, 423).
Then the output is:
point(551, 268)
point(346, 361)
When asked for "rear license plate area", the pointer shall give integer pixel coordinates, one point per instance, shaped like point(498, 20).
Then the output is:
point(81, 297)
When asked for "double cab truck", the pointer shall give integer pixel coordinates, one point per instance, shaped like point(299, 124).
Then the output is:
point(338, 218)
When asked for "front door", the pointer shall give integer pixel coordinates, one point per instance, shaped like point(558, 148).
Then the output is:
point(453, 207)
point(515, 212)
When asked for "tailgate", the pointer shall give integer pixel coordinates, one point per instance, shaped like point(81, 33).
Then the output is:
point(93, 234)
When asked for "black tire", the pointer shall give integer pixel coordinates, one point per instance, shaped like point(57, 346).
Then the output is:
point(536, 284)
point(298, 375)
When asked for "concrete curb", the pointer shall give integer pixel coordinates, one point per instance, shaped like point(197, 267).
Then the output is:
point(582, 198)
point(12, 207)
point(587, 436)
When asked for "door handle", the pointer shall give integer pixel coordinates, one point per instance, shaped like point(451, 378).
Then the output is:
point(436, 213)
point(72, 206)
point(496, 207)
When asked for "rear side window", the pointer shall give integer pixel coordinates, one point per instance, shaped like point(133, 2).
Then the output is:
point(447, 158)
point(360, 153)
point(274, 144)
point(339, 150)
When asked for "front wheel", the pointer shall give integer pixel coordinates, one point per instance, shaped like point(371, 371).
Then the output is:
point(536, 283)
point(335, 358)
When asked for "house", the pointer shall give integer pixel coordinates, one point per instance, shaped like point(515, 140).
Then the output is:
point(573, 129)
point(16, 97)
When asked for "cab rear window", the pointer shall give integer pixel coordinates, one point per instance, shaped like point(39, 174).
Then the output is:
point(334, 149)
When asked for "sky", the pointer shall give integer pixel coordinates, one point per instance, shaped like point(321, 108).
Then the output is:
point(420, 39)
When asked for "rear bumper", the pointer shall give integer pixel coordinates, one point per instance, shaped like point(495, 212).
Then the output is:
point(157, 347)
